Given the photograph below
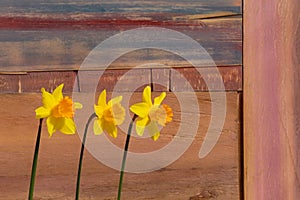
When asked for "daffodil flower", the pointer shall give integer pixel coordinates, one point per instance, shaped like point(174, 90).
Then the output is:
point(109, 115)
point(150, 115)
point(58, 110)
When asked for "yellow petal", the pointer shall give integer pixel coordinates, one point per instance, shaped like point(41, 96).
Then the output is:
point(77, 105)
point(140, 130)
point(57, 93)
point(102, 99)
point(110, 128)
point(140, 125)
point(98, 110)
point(48, 100)
point(147, 95)
point(156, 136)
point(114, 132)
point(140, 109)
point(66, 125)
point(117, 99)
point(42, 112)
point(51, 125)
point(143, 121)
point(159, 99)
point(152, 129)
point(97, 127)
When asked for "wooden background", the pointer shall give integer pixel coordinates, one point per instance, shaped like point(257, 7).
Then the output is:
point(271, 103)
point(44, 43)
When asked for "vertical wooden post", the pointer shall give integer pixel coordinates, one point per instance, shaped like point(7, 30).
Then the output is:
point(272, 99)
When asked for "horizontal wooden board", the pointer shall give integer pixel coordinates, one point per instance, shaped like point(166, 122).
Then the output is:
point(214, 177)
point(63, 49)
point(115, 6)
point(9, 83)
point(161, 79)
point(33, 82)
point(207, 79)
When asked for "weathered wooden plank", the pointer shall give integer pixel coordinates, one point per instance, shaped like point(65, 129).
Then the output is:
point(114, 6)
point(33, 82)
point(109, 79)
point(186, 78)
point(104, 21)
point(9, 83)
point(162, 79)
point(216, 176)
point(271, 100)
point(57, 49)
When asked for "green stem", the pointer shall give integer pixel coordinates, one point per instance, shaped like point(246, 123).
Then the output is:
point(81, 154)
point(34, 162)
point(125, 156)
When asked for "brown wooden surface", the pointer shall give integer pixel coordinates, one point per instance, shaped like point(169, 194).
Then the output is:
point(62, 49)
point(122, 6)
point(58, 35)
point(214, 177)
point(176, 81)
point(44, 43)
point(271, 99)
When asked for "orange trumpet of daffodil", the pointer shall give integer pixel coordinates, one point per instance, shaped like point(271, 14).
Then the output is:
point(150, 115)
point(58, 110)
point(109, 115)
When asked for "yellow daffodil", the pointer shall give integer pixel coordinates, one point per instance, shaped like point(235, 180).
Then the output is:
point(109, 115)
point(150, 115)
point(58, 110)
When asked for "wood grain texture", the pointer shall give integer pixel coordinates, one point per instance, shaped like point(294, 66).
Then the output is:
point(33, 82)
point(213, 177)
point(44, 43)
point(44, 49)
point(91, 80)
point(271, 115)
point(162, 79)
point(124, 6)
point(9, 83)
point(231, 79)
point(58, 35)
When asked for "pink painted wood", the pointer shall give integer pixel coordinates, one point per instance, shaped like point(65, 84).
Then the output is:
point(271, 99)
